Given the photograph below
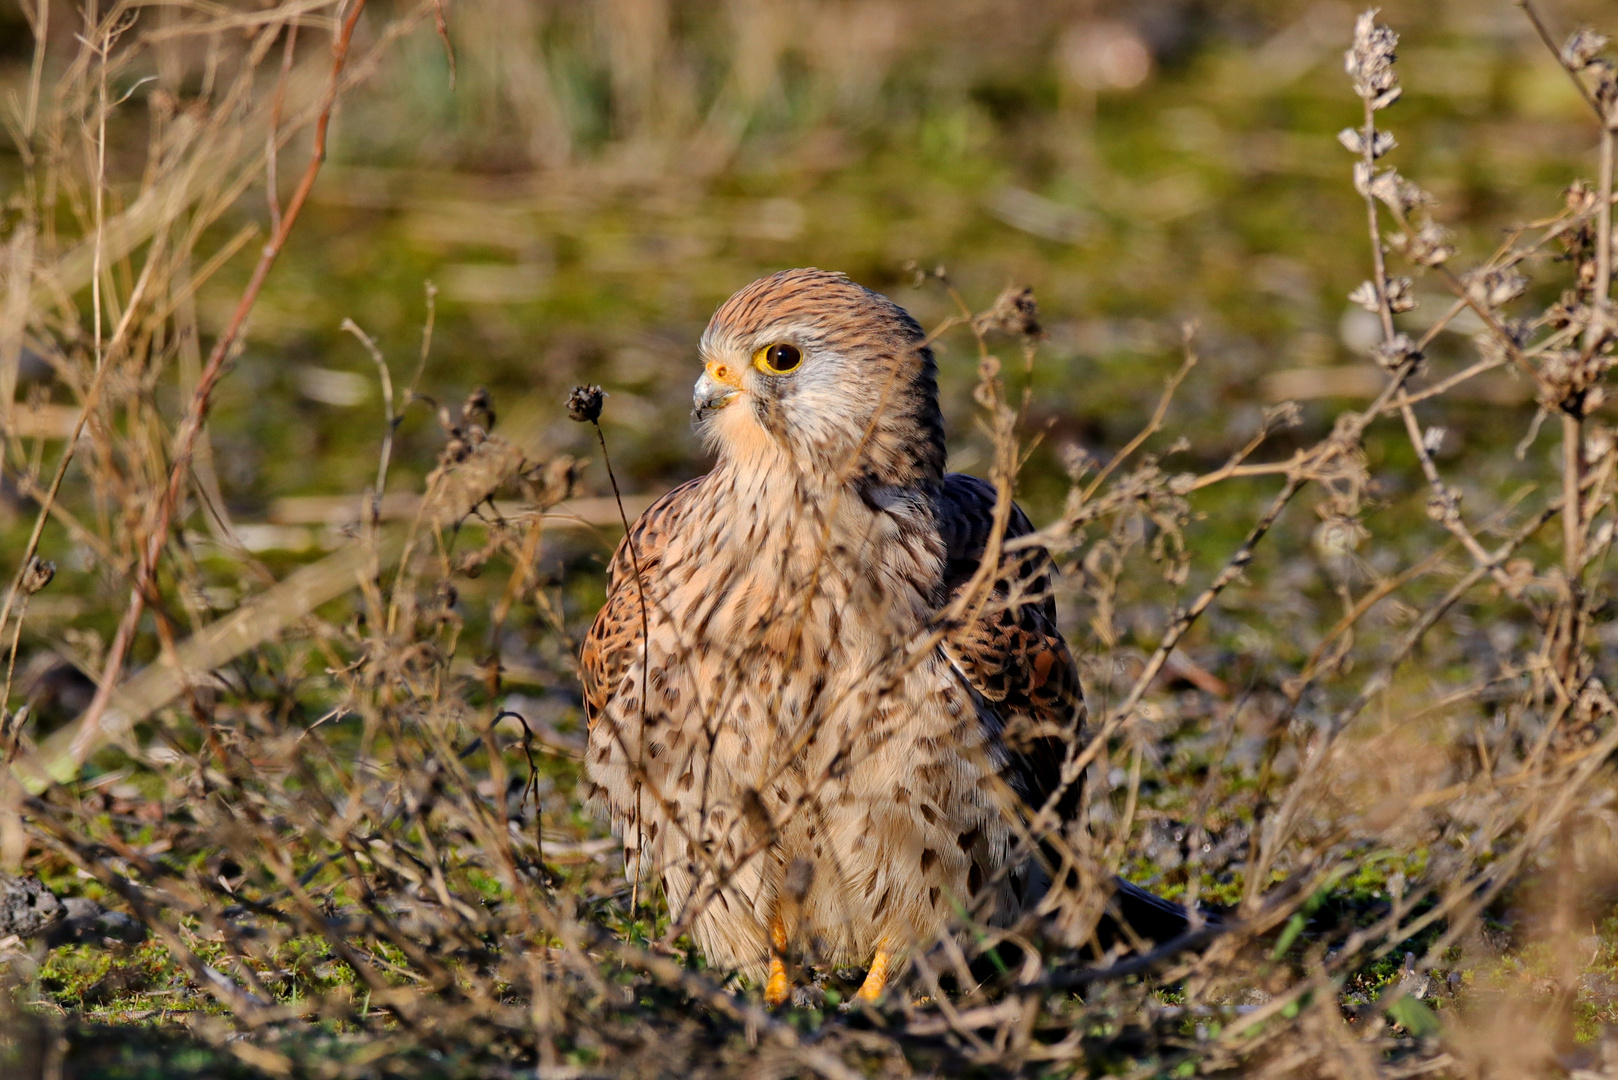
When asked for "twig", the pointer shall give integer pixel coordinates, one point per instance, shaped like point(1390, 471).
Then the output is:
point(272, 141)
point(441, 24)
point(390, 422)
point(1556, 51)
point(1154, 425)
point(201, 400)
point(589, 408)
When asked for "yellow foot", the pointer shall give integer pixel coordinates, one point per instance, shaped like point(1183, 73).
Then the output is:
point(779, 987)
point(876, 977)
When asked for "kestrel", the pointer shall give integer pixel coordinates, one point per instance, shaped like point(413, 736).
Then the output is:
point(806, 716)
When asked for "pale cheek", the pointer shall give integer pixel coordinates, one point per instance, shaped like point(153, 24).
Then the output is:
point(825, 417)
point(737, 431)
point(817, 416)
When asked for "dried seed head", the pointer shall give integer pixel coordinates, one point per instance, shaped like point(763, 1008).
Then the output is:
point(1354, 140)
point(478, 405)
point(1369, 62)
point(1606, 77)
point(1365, 296)
point(1428, 245)
point(1363, 174)
point(1579, 197)
point(1495, 287)
point(1582, 47)
point(1401, 195)
point(1568, 380)
point(1492, 349)
point(1390, 354)
point(1076, 461)
point(584, 403)
point(1399, 296)
point(986, 393)
point(38, 575)
point(1282, 416)
point(1557, 366)
point(1014, 312)
point(1444, 505)
point(1565, 311)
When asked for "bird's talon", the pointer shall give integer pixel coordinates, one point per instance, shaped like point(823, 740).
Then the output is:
point(779, 986)
point(876, 978)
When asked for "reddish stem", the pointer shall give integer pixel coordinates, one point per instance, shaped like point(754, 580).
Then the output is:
point(201, 399)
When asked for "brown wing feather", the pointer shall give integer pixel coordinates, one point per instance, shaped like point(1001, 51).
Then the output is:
point(614, 640)
point(1012, 652)
point(1014, 656)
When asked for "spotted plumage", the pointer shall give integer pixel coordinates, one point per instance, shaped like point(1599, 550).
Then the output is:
point(793, 724)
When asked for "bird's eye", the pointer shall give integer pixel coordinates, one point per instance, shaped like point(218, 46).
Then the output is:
point(778, 359)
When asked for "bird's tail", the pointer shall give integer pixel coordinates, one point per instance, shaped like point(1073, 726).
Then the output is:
point(1147, 916)
point(1151, 921)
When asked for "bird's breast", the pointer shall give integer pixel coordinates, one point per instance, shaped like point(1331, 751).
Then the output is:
point(772, 569)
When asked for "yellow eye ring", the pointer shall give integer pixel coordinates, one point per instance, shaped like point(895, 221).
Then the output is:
point(778, 359)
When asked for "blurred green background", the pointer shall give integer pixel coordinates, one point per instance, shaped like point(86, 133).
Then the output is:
point(600, 176)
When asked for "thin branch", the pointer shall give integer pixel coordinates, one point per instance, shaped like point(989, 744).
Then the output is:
point(1556, 51)
point(201, 400)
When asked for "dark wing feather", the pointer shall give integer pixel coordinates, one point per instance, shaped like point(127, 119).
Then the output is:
point(615, 638)
point(1012, 652)
point(1014, 656)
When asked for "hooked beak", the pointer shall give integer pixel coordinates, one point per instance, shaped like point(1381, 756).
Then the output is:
point(719, 385)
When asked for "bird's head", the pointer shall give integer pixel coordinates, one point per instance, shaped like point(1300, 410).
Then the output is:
point(806, 370)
